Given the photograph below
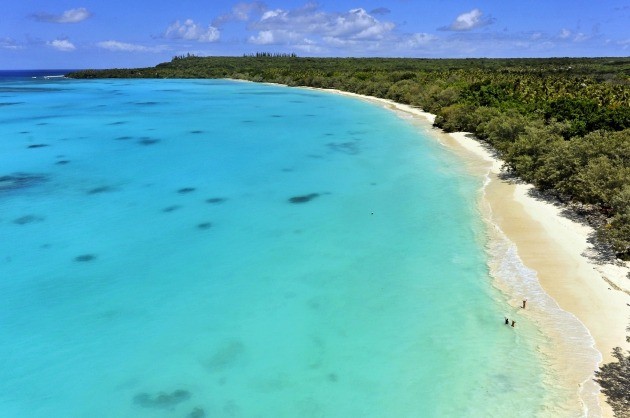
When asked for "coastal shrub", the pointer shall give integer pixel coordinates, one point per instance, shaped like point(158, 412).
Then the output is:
point(480, 119)
point(614, 378)
point(526, 156)
point(457, 117)
point(600, 180)
point(503, 130)
point(617, 233)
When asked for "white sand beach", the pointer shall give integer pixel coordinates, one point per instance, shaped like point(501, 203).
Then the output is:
point(556, 248)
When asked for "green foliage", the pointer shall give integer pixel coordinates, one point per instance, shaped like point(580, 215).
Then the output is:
point(560, 123)
point(614, 378)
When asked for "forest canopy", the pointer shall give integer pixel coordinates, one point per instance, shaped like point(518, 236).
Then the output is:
point(562, 124)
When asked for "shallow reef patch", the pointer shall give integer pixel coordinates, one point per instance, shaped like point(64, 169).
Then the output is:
point(28, 219)
point(225, 356)
point(101, 189)
point(198, 412)
point(162, 399)
point(304, 198)
point(204, 225)
point(171, 208)
point(349, 148)
point(18, 181)
point(84, 258)
point(148, 141)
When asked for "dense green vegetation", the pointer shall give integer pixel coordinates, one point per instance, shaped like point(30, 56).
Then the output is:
point(614, 378)
point(562, 124)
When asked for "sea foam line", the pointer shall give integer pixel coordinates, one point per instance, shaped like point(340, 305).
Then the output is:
point(569, 337)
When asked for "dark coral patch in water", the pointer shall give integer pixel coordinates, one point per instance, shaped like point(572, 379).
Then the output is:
point(227, 355)
point(171, 208)
point(304, 198)
point(148, 141)
point(161, 400)
point(198, 412)
point(28, 219)
point(19, 181)
point(185, 190)
point(84, 258)
point(38, 146)
point(216, 200)
point(204, 225)
point(349, 148)
point(101, 189)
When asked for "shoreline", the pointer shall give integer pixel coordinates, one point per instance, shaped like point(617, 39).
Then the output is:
point(556, 249)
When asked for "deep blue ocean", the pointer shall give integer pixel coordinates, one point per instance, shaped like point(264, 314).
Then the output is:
point(213, 248)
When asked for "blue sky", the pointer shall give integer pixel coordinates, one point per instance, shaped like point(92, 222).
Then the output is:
point(127, 33)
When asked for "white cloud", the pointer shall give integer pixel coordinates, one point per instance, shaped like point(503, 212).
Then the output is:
point(468, 21)
point(580, 37)
point(265, 37)
point(117, 46)
point(10, 43)
point(62, 45)
point(282, 26)
point(419, 40)
point(568, 35)
point(191, 31)
point(565, 33)
point(69, 16)
point(240, 13)
point(275, 37)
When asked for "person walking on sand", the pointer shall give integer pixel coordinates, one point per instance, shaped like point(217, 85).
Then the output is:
point(513, 322)
point(524, 303)
point(507, 321)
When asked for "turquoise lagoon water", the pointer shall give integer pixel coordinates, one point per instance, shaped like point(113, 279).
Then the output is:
point(188, 248)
